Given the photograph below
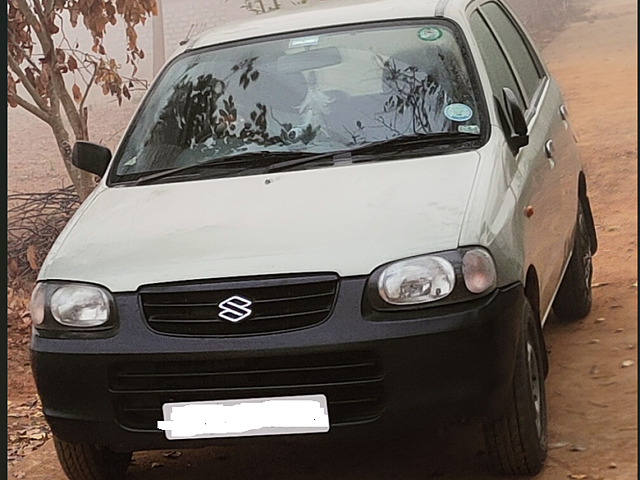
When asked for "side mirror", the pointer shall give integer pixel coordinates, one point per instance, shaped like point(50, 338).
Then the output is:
point(518, 136)
point(91, 157)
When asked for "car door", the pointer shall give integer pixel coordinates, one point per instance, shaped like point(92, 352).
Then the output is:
point(511, 62)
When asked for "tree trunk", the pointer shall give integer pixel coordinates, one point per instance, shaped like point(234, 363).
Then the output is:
point(82, 181)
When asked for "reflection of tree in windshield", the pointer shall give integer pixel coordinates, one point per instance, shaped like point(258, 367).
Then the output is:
point(414, 93)
point(258, 102)
point(201, 112)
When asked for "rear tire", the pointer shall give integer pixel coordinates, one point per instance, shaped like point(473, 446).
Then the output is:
point(574, 298)
point(517, 442)
point(87, 462)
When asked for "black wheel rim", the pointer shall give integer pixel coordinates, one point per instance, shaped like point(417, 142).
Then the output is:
point(536, 388)
point(587, 266)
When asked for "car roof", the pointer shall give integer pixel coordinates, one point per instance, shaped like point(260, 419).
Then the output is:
point(325, 14)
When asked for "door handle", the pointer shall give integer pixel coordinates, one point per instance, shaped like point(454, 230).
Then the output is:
point(564, 113)
point(550, 150)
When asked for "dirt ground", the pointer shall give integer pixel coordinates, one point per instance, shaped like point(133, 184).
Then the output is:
point(592, 385)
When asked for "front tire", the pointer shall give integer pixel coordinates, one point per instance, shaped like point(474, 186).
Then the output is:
point(88, 462)
point(517, 442)
point(574, 298)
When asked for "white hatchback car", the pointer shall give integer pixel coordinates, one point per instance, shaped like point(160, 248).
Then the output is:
point(343, 220)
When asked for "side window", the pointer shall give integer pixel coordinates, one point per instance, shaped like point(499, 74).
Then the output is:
point(498, 68)
point(516, 46)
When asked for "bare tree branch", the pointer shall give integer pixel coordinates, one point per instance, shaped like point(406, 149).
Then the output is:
point(75, 51)
point(27, 57)
point(39, 101)
point(49, 51)
point(31, 108)
point(48, 8)
point(89, 85)
point(33, 22)
point(38, 6)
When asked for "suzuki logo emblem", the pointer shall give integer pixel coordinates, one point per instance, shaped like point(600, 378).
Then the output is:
point(235, 309)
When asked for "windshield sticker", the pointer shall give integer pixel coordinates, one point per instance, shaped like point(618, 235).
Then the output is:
point(131, 162)
point(429, 34)
point(304, 42)
point(473, 129)
point(458, 112)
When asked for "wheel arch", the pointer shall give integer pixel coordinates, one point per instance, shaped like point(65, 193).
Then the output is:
point(586, 208)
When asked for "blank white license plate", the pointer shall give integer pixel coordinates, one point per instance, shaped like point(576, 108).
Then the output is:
point(246, 417)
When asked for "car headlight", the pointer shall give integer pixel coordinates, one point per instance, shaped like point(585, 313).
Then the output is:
point(36, 305)
point(71, 306)
point(417, 280)
point(80, 306)
point(445, 277)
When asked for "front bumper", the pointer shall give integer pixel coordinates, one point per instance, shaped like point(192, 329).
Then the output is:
point(449, 365)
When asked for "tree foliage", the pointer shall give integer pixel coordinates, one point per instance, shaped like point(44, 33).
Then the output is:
point(49, 76)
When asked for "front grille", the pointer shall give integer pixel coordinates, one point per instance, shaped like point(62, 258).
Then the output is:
point(277, 304)
point(352, 383)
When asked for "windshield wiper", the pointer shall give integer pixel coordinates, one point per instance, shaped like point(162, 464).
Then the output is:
point(214, 162)
point(379, 146)
point(425, 139)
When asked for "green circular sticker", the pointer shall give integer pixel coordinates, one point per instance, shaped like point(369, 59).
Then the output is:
point(458, 112)
point(429, 34)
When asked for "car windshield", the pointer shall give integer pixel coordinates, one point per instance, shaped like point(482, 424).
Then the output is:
point(255, 104)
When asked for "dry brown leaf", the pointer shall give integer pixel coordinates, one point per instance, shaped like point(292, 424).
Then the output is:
point(553, 446)
point(174, 454)
point(12, 267)
point(77, 94)
point(577, 448)
point(32, 257)
point(72, 63)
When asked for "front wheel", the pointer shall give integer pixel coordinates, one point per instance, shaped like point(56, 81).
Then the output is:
point(517, 442)
point(88, 462)
point(573, 300)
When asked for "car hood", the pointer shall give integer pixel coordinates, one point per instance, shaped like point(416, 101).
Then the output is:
point(346, 219)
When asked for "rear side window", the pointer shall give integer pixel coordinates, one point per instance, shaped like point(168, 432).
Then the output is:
point(498, 68)
point(516, 47)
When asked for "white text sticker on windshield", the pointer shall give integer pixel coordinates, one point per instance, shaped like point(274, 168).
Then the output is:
point(473, 129)
point(304, 42)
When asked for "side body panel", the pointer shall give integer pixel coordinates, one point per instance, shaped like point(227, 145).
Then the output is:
point(542, 175)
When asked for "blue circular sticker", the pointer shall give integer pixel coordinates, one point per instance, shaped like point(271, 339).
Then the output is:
point(458, 112)
point(429, 34)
